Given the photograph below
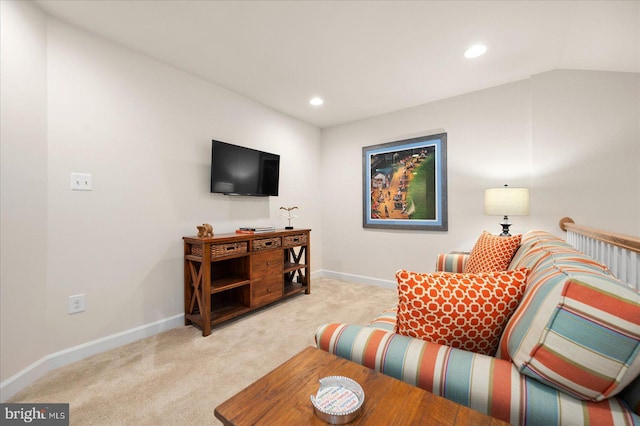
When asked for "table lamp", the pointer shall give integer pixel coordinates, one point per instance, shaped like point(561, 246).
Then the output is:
point(506, 202)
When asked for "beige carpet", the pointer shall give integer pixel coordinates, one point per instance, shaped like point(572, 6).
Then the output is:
point(178, 377)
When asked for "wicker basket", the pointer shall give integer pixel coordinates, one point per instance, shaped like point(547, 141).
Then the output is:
point(295, 240)
point(220, 250)
point(196, 250)
point(266, 243)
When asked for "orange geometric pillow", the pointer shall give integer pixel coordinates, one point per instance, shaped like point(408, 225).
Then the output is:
point(492, 253)
point(466, 311)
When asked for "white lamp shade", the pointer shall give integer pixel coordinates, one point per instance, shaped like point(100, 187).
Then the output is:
point(506, 201)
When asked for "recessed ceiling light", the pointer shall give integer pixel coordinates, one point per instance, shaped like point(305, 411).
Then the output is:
point(475, 51)
point(316, 101)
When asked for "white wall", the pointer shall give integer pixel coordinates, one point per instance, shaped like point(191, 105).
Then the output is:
point(23, 167)
point(571, 136)
point(143, 130)
point(586, 150)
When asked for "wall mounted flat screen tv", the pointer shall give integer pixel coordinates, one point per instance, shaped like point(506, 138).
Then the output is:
point(236, 170)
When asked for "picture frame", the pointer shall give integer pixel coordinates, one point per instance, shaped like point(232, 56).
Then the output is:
point(405, 184)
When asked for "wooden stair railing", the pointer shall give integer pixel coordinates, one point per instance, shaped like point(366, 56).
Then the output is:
point(619, 252)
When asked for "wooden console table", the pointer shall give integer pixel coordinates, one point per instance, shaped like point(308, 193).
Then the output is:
point(282, 397)
point(231, 274)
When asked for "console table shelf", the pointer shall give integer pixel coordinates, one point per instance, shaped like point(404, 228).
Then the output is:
point(289, 267)
point(291, 288)
point(224, 284)
point(226, 312)
point(229, 275)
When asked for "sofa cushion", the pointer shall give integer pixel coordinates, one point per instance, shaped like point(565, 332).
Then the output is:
point(547, 256)
point(533, 240)
point(386, 320)
point(492, 253)
point(467, 311)
point(577, 330)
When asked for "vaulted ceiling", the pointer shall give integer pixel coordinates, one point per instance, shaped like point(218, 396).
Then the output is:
point(364, 58)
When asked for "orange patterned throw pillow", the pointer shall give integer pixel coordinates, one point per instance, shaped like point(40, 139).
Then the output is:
point(492, 253)
point(466, 311)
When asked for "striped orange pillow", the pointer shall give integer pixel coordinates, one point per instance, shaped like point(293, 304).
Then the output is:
point(492, 253)
point(466, 311)
point(579, 334)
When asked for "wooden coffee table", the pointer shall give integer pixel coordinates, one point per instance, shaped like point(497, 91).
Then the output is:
point(282, 397)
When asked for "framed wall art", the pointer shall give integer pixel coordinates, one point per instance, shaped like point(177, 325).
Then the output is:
point(405, 184)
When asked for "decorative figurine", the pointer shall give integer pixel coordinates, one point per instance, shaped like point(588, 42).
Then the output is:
point(288, 215)
point(205, 230)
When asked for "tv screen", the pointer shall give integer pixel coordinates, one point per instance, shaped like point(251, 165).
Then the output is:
point(236, 170)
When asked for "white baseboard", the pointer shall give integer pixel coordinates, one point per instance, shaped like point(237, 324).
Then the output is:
point(356, 278)
point(33, 372)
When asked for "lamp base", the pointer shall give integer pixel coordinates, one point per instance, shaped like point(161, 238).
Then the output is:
point(505, 227)
point(505, 230)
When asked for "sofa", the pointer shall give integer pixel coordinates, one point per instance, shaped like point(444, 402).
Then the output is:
point(568, 354)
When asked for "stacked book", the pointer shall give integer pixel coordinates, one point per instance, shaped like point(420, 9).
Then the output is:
point(255, 229)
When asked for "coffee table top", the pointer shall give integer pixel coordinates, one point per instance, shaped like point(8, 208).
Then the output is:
point(282, 397)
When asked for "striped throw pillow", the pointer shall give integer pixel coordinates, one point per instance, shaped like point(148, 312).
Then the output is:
point(577, 332)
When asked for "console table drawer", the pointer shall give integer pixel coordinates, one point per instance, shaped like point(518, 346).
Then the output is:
point(294, 240)
point(267, 263)
point(265, 243)
point(266, 290)
point(220, 250)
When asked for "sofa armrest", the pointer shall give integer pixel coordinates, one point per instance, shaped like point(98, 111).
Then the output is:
point(486, 384)
point(452, 262)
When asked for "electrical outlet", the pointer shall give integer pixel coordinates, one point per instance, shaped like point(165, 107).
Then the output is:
point(81, 181)
point(76, 303)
